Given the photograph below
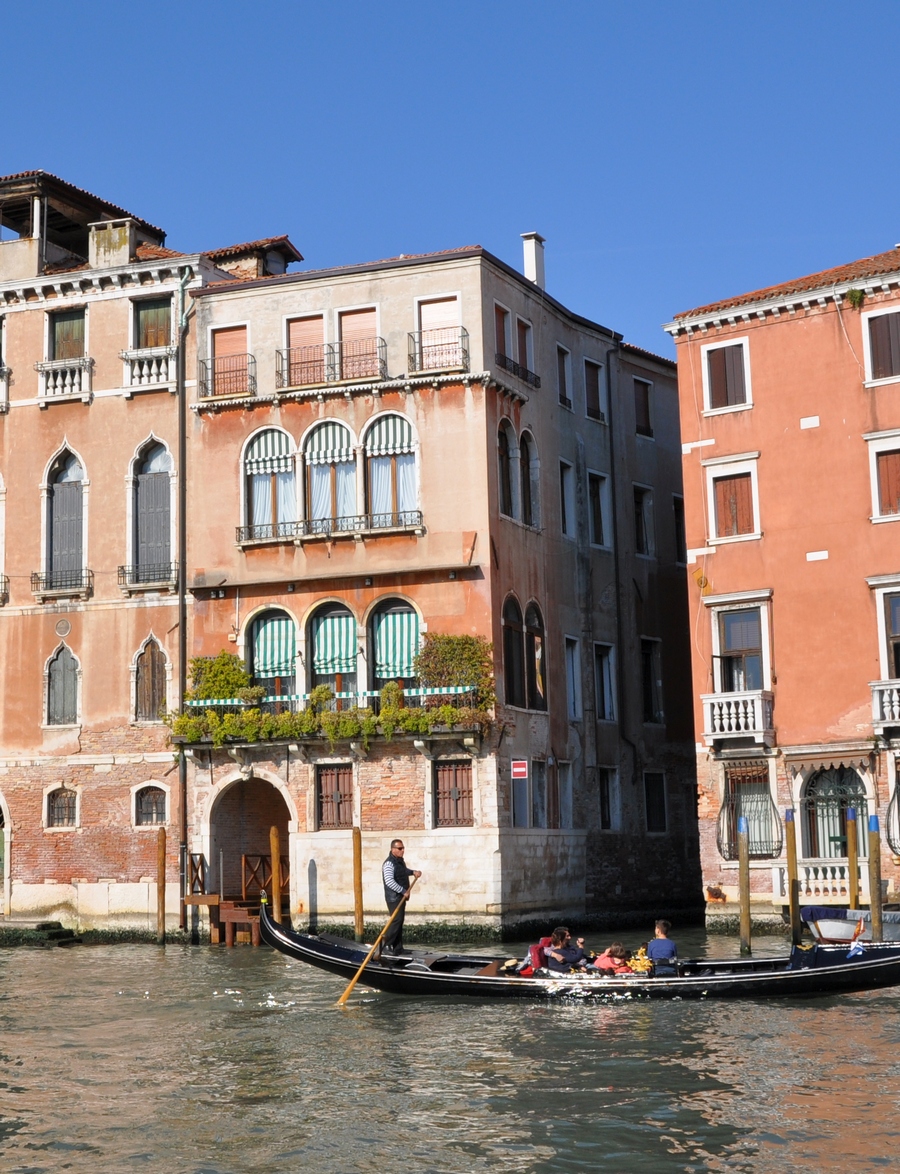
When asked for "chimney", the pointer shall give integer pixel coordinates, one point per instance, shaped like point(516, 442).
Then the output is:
point(111, 243)
point(533, 244)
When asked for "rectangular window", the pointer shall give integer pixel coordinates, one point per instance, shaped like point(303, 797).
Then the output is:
point(884, 345)
point(740, 650)
point(453, 794)
point(651, 683)
point(643, 521)
point(680, 531)
point(524, 356)
point(539, 794)
point(439, 314)
point(655, 801)
point(597, 494)
point(734, 505)
point(608, 788)
point(230, 361)
point(643, 423)
point(564, 784)
point(747, 794)
point(566, 499)
point(563, 376)
point(888, 466)
point(153, 323)
point(67, 335)
point(605, 682)
point(892, 626)
point(334, 788)
point(62, 808)
point(501, 328)
point(573, 679)
point(520, 804)
point(592, 391)
point(725, 370)
point(306, 351)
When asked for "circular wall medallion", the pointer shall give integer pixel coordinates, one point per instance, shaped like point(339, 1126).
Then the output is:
point(63, 627)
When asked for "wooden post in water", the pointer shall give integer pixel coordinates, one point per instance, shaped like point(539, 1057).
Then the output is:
point(358, 920)
point(875, 879)
point(275, 849)
point(161, 886)
point(744, 881)
point(852, 859)
point(790, 848)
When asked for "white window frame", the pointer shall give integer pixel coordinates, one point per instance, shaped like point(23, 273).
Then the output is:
point(567, 500)
point(741, 601)
point(893, 308)
point(574, 703)
point(150, 827)
point(649, 521)
point(878, 442)
point(605, 510)
point(601, 384)
point(615, 801)
point(45, 804)
point(883, 586)
point(665, 780)
point(734, 466)
point(610, 683)
point(743, 341)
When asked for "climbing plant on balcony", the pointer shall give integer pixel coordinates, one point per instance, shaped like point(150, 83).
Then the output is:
point(458, 660)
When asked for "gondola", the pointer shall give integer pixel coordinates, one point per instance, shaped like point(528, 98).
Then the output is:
point(817, 970)
point(829, 923)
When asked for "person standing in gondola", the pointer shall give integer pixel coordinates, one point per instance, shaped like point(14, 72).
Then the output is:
point(397, 880)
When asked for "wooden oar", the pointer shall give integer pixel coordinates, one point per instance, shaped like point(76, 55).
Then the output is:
point(355, 979)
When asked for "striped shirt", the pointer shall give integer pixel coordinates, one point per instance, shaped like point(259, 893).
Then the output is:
point(387, 872)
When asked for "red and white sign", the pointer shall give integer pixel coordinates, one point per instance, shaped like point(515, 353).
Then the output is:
point(520, 768)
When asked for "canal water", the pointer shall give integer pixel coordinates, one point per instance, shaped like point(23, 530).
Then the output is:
point(212, 1061)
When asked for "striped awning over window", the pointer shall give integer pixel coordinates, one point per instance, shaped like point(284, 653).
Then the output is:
point(274, 645)
point(328, 443)
point(396, 643)
point(334, 643)
point(268, 452)
point(390, 434)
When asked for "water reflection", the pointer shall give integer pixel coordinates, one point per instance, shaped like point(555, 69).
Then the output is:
point(207, 1061)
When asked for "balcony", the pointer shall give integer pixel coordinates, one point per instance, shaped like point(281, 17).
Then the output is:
point(885, 705)
point(446, 349)
point(334, 362)
point(457, 696)
point(361, 358)
point(518, 370)
point(65, 379)
point(822, 882)
point(302, 366)
point(329, 527)
point(148, 577)
point(4, 590)
point(5, 373)
point(229, 375)
point(54, 584)
point(149, 366)
point(739, 716)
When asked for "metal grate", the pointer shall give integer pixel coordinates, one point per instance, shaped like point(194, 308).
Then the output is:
point(517, 369)
point(747, 794)
point(145, 573)
point(227, 375)
point(437, 350)
point(43, 582)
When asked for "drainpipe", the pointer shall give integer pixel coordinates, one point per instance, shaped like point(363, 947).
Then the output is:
point(181, 397)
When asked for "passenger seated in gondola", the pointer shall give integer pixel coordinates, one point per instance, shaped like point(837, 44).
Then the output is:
point(562, 956)
point(662, 951)
point(613, 960)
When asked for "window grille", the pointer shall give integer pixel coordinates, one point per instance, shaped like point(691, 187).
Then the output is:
point(61, 806)
point(150, 806)
point(453, 794)
point(335, 796)
point(747, 794)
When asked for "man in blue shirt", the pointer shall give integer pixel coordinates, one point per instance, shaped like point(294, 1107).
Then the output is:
point(662, 951)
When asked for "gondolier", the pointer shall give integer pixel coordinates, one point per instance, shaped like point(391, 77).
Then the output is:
point(397, 877)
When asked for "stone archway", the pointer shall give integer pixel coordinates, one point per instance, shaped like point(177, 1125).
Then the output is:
point(241, 818)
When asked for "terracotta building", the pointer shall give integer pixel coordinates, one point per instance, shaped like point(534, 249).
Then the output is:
point(317, 471)
point(791, 431)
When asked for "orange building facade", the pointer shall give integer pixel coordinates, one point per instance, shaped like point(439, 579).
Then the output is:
point(791, 448)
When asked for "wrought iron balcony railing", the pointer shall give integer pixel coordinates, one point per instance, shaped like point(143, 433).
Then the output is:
point(302, 366)
point(322, 527)
point(227, 375)
point(149, 575)
point(458, 696)
point(439, 350)
point(4, 590)
point(333, 362)
point(517, 369)
point(79, 582)
point(746, 715)
point(361, 358)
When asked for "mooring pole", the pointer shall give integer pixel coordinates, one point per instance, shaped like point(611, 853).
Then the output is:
point(790, 847)
point(275, 849)
point(875, 879)
point(852, 859)
point(744, 881)
point(161, 886)
point(358, 921)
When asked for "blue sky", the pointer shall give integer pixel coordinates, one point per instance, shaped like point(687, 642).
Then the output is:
point(671, 153)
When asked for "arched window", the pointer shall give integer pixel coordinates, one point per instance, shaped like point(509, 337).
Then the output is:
point(393, 644)
point(826, 798)
point(513, 654)
point(504, 461)
point(62, 689)
point(62, 808)
point(273, 652)
point(270, 488)
point(391, 473)
point(331, 478)
point(152, 516)
point(332, 646)
point(535, 668)
point(150, 683)
point(150, 806)
point(528, 480)
point(65, 558)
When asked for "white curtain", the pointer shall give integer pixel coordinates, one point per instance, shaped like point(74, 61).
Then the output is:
point(261, 499)
point(320, 491)
point(286, 497)
point(406, 482)
point(346, 489)
point(380, 479)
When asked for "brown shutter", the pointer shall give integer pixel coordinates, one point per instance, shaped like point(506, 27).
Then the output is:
point(306, 332)
point(522, 336)
point(592, 390)
point(561, 377)
point(500, 317)
point(884, 337)
point(68, 335)
point(453, 794)
point(889, 482)
point(642, 424)
point(231, 341)
point(725, 366)
point(358, 324)
point(734, 505)
point(335, 796)
point(154, 322)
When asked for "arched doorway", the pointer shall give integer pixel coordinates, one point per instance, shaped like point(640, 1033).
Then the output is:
point(239, 834)
point(827, 796)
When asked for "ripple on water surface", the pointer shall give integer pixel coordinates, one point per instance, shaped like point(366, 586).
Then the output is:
point(206, 1061)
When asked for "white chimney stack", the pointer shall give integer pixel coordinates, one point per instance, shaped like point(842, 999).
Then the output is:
point(533, 244)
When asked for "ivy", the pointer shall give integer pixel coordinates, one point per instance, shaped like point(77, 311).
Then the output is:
point(458, 660)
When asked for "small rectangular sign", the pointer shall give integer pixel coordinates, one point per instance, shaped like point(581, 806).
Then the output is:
point(520, 768)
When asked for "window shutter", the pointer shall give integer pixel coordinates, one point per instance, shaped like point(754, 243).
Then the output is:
point(154, 323)
point(884, 337)
point(62, 702)
point(562, 381)
point(68, 335)
point(592, 391)
point(232, 341)
point(642, 424)
point(725, 367)
point(357, 325)
point(335, 796)
point(151, 683)
point(453, 794)
point(734, 506)
point(441, 314)
point(500, 317)
point(522, 338)
point(153, 523)
point(65, 528)
point(888, 482)
point(306, 332)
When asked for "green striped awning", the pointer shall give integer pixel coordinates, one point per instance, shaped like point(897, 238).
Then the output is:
point(274, 646)
point(327, 443)
point(389, 434)
point(268, 452)
point(334, 643)
point(396, 643)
